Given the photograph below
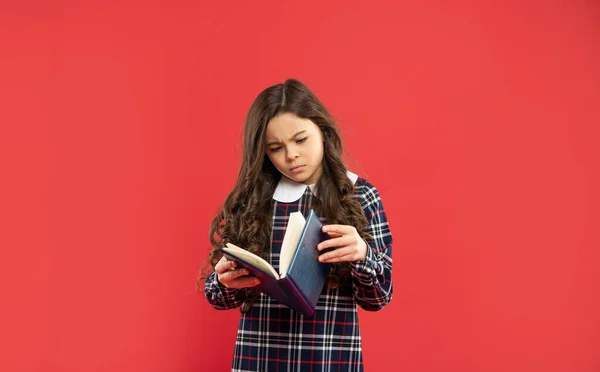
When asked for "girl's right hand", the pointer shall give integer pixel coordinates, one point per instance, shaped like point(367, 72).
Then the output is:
point(232, 277)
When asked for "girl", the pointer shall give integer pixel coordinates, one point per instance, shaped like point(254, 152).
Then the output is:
point(292, 161)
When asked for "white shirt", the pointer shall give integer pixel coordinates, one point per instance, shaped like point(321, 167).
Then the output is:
point(288, 190)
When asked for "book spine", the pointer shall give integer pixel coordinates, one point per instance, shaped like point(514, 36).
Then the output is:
point(296, 298)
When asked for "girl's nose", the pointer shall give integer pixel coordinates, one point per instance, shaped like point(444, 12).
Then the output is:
point(292, 154)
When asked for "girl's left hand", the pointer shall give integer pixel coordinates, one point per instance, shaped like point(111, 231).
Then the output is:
point(349, 246)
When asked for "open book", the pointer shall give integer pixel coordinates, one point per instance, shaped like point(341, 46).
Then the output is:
point(301, 276)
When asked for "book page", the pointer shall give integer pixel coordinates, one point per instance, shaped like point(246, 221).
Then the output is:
point(251, 258)
point(290, 241)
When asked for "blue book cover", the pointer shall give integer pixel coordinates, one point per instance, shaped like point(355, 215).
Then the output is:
point(301, 286)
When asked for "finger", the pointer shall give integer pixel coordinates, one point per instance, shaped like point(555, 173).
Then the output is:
point(230, 275)
point(244, 282)
point(347, 258)
point(336, 253)
point(338, 229)
point(344, 257)
point(333, 234)
point(224, 265)
point(334, 242)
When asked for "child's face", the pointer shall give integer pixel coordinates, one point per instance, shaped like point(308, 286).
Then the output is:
point(295, 147)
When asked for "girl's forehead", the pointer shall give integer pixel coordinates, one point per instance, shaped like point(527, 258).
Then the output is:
point(285, 125)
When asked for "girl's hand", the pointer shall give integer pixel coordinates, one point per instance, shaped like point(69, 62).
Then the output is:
point(231, 277)
point(349, 246)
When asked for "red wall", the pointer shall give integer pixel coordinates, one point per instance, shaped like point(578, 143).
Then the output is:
point(121, 135)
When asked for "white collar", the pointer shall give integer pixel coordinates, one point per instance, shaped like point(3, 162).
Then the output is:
point(288, 190)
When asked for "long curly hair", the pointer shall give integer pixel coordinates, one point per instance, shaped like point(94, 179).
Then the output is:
point(246, 216)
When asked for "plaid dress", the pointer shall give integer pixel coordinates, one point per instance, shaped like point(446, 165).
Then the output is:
point(272, 337)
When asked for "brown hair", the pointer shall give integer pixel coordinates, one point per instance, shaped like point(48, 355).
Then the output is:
point(245, 218)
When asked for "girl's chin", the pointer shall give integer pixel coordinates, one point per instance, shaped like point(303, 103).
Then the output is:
point(301, 177)
point(297, 177)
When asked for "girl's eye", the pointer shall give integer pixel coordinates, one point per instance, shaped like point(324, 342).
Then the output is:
point(275, 149)
point(301, 140)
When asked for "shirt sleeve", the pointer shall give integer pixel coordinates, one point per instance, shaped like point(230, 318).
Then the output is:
point(372, 278)
point(221, 297)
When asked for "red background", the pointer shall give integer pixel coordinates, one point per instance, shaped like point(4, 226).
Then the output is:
point(121, 136)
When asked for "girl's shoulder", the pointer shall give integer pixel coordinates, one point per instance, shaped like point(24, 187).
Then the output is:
point(366, 193)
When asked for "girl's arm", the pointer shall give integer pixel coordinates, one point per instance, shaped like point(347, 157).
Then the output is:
point(372, 278)
point(221, 297)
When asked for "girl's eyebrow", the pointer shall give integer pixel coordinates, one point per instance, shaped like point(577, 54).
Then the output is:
point(294, 136)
